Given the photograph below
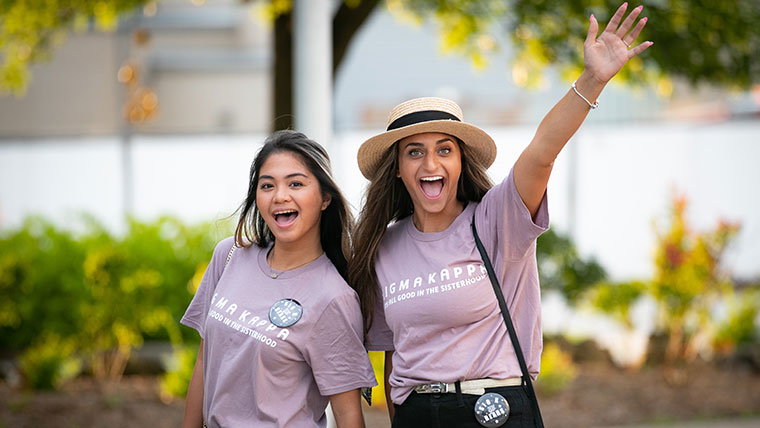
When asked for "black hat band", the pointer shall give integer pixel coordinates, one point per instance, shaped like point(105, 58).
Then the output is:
point(421, 116)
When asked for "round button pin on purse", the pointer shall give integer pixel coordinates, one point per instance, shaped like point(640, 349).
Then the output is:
point(491, 410)
point(285, 313)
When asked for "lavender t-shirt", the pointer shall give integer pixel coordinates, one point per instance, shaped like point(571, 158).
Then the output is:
point(436, 307)
point(258, 374)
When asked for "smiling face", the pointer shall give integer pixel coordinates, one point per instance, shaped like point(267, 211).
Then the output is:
point(290, 200)
point(430, 164)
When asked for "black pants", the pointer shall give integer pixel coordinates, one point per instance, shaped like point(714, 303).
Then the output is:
point(458, 410)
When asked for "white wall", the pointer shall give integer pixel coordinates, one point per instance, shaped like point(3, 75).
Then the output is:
point(625, 178)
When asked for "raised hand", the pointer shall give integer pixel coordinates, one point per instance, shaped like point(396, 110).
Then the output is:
point(605, 55)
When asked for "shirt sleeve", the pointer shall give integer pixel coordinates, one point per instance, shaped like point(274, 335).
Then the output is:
point(379, 336)
point(335, 352)
point(504, 223)
point(195, 315)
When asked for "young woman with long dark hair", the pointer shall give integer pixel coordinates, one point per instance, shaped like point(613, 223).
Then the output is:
point(425, 291)
point(281, 330)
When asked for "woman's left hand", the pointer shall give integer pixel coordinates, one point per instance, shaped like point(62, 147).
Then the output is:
point(605, 55)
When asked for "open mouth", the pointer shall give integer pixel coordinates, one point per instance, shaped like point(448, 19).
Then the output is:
point(285, 218)
point(432, 186)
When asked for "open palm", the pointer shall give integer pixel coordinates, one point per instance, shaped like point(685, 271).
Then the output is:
point(605, 55)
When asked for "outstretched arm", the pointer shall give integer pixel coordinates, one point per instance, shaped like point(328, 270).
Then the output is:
point(603, 57)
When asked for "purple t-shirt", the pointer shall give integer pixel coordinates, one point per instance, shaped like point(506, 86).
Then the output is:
point(436, 308)
point(258, 374)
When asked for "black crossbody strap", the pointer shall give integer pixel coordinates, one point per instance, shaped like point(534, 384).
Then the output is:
point(510, 327)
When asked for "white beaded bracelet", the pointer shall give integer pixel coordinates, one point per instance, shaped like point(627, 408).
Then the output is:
point(593, 106)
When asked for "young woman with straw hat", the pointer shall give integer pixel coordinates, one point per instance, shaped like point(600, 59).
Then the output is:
point(424, 286)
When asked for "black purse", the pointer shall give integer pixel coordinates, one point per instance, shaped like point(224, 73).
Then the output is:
point(527, 383)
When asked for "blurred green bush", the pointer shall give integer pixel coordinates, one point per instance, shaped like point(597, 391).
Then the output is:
point(100, 294)
point(179, 371)
point(738, 328)
point(690, 281)
point(83, 299)
point(49, 362)
point(561, 268)
point(616, 298)
point(557, 369)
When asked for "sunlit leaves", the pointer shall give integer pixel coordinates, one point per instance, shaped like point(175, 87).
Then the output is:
point(31, 29)
point(270, 10)
point(464, 27)
point(712, 42)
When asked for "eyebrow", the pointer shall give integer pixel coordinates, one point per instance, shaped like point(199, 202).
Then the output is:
point(295, 174)
point(416, 144)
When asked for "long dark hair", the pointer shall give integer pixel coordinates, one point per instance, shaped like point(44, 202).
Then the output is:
point(387, 200)
point(336, 222)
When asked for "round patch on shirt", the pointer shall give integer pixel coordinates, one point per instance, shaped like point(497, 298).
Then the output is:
point(285, 313)
point(491, 410)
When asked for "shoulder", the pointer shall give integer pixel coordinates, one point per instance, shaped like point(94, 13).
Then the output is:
point(504, 189)
point(334, 293)
point(223, 248)
point(334, 284)
point(395, 233)
point(225, 244)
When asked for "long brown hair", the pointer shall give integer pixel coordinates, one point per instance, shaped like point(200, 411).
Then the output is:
point(387, 200)
point(336, 222)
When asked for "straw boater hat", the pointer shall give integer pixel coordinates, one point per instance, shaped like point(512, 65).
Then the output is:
point(425, 115)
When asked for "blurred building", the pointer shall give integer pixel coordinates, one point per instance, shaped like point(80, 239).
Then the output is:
point(170, 68)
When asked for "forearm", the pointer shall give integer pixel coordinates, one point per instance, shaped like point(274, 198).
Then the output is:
point(563, 120)
point(534, 166)
point(193, 417)
point(347, 409)
point(387, 369)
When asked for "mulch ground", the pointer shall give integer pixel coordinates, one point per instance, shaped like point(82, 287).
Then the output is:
point(606, 396)
point(602, 395)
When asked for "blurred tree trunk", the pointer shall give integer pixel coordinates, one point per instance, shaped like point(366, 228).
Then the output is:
point(283, 72)
point(346, 22)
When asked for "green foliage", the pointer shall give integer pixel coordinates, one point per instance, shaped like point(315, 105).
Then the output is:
point(688, 279)
point(616, 299)
point(548, 33)
point(561, 268)
point(557, 369)
point(739, 328)
point(107, 294)
point(41, 273)
point(701, 41)
point(464, 25)
point(710, 42)
point(31, 29)
point(175, 381)
point(688, 282)
point(50, 362)
point(272, 9)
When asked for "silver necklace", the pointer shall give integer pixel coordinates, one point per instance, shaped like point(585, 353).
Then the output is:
point(274, 274)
